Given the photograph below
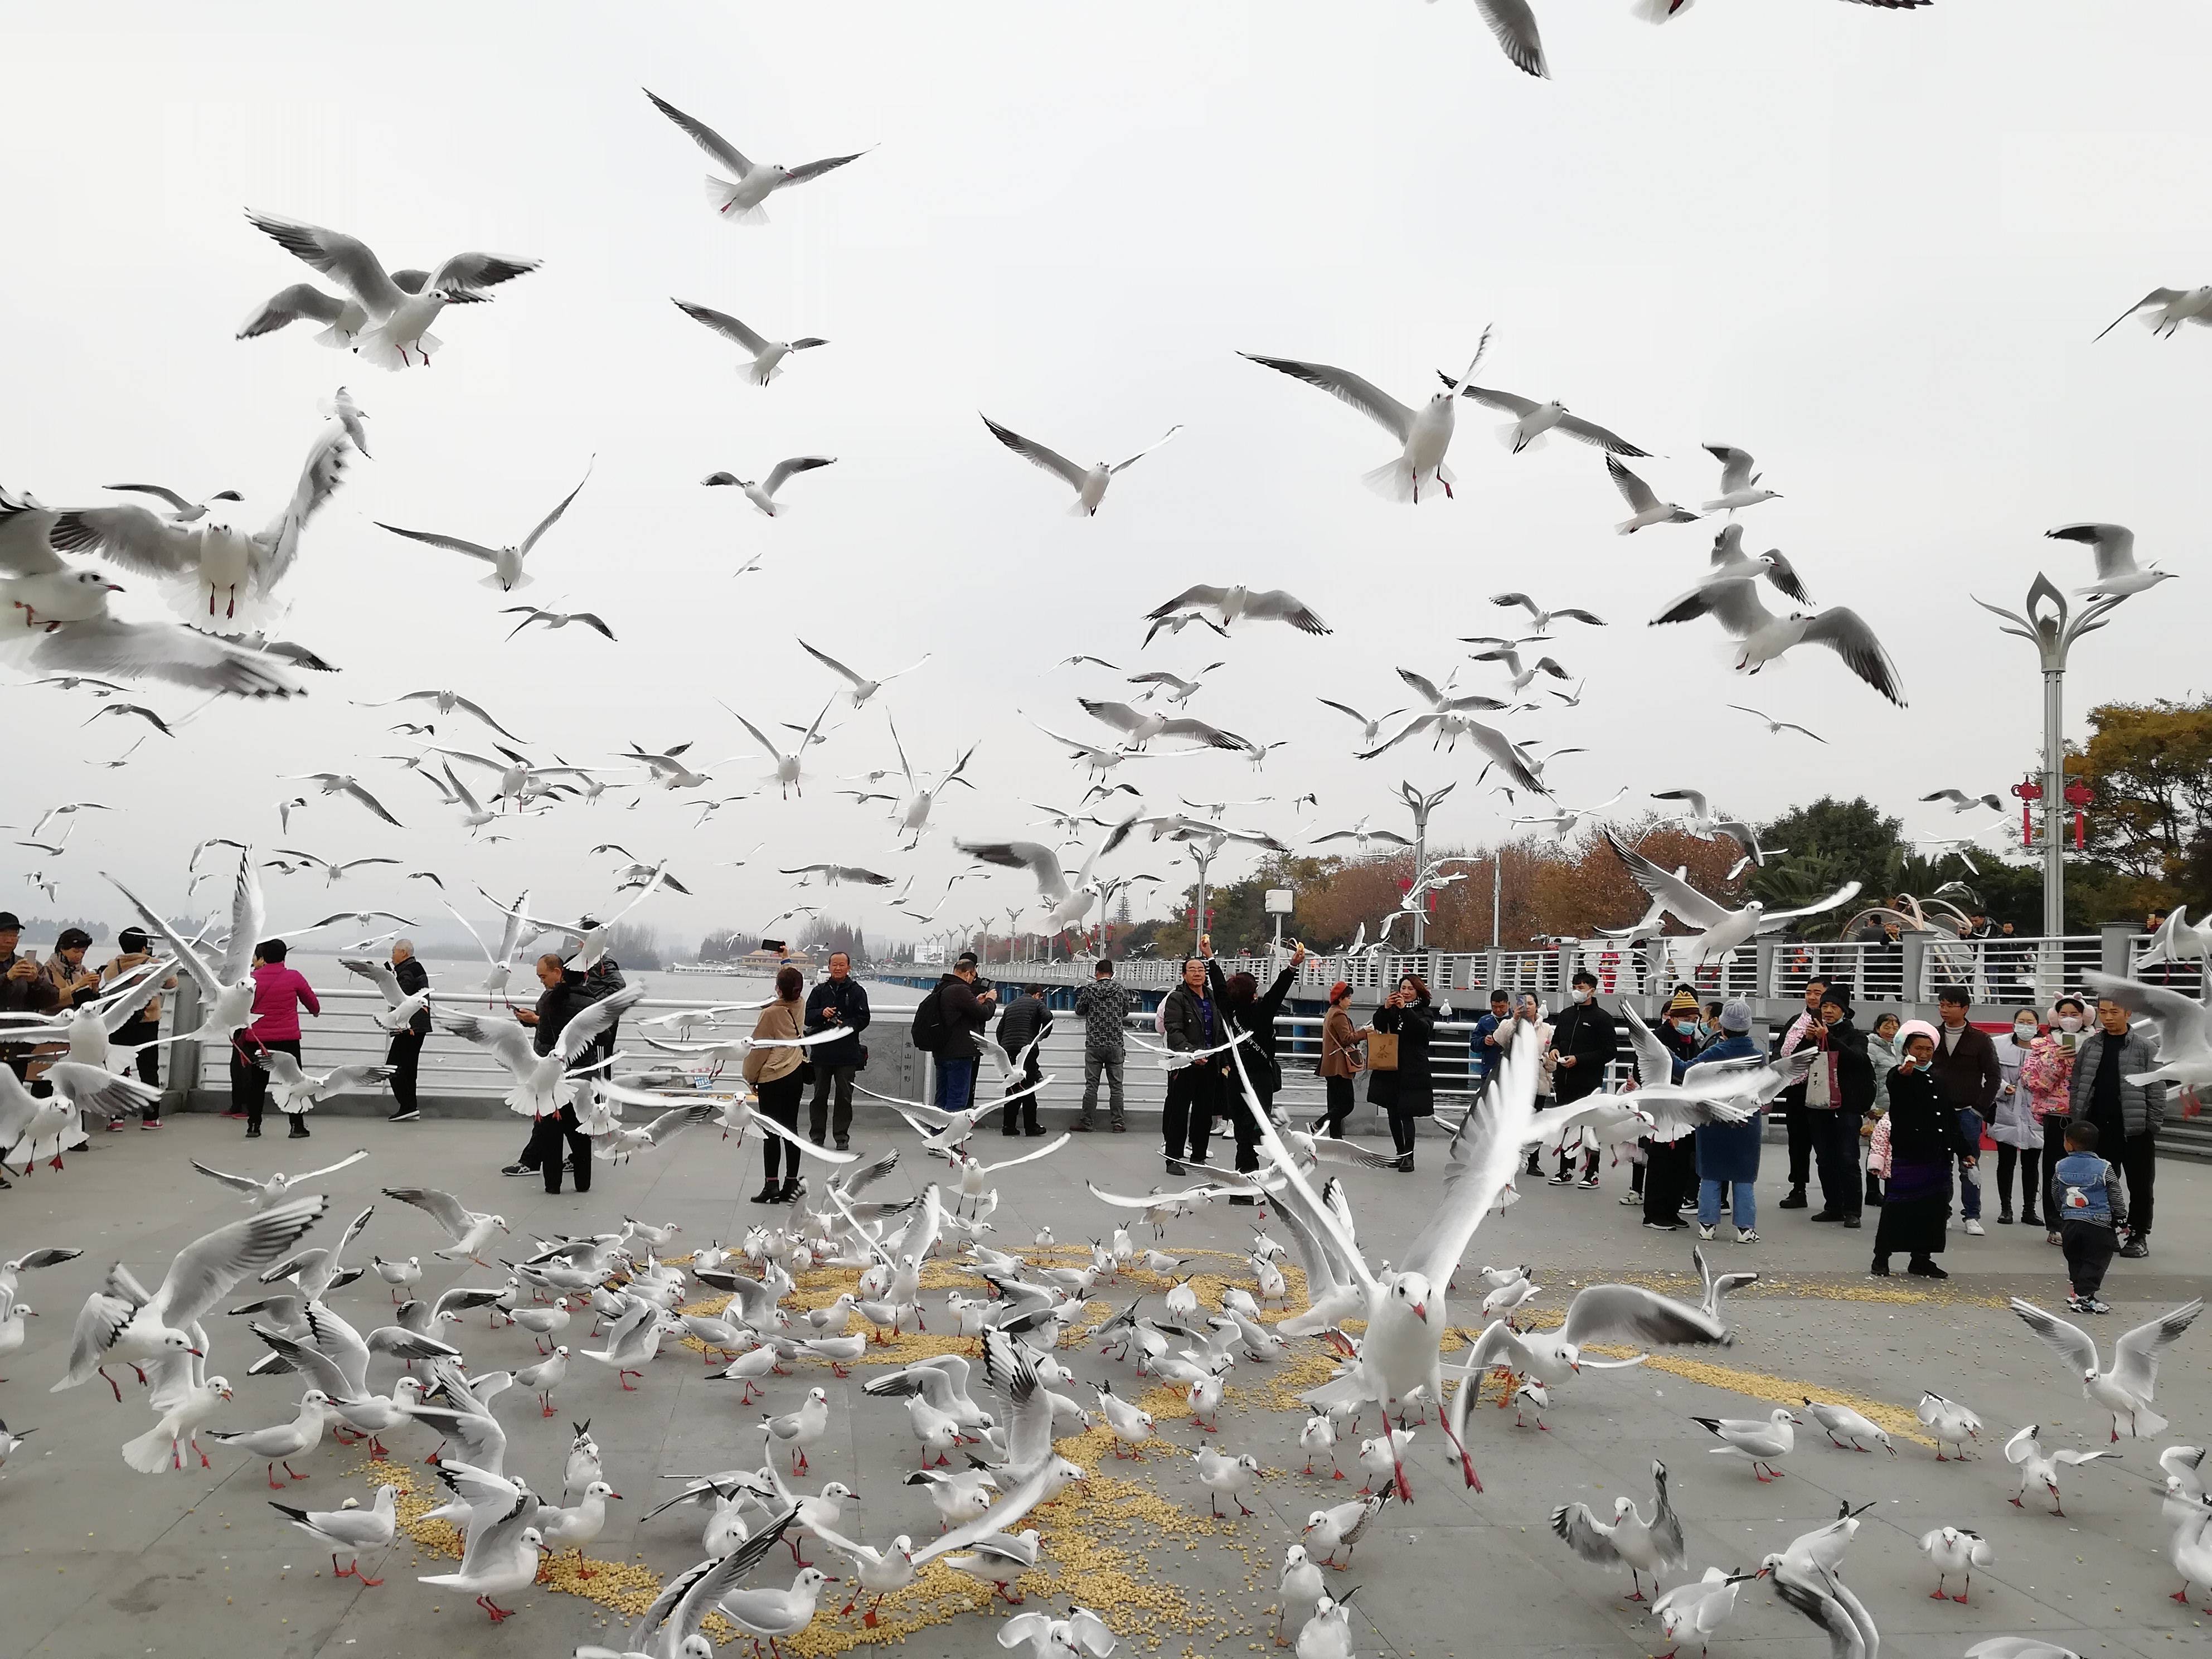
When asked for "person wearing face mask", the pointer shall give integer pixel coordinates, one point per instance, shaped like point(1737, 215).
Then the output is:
point(1585, 1040)
point(2047, 1075)
point(1527, 1010)
point(2128, 1115)
point(1882, 1055)
point(1665, 1179)
point(2012, 1121)
point(1838, 1090)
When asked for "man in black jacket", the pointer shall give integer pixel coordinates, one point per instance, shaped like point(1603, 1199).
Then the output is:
point(1838, 1092)
point(1028, 1020)
point(1189, 1020)
point(1585, 1040)
point(964, 1014)
point(841, 1002)
point(405, 1051)
point(1966, 1069)
point(566, 993)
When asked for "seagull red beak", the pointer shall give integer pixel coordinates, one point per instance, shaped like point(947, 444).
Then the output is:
point(196, 1353)
point(1420, 1311)
point(112, 588)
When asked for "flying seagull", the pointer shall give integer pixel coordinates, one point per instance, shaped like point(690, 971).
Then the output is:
point(762, 495)
point(1231, 605)
point(2114, 545)
point(505, 562)
point(1739, 483)
point(1648, 509)
point(768, 354)
point(1532, 420)
point(1090, 483)
point(1425, 434)
point(862, 687)
point(1775, 726)
point(740, 200)
point(401, 315)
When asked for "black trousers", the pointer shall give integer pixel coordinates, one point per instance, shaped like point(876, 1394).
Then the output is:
point(148, 1062)
point(2030, 1159)
point(1670, 1175)
point(1187, 1121)
point(2138, 1161)
point(1022, 1113)
point(1247, 1126)
point(779, 1100)
point(2089, 1248)
point(820, 1115)
point(402, 1056)
point(1341, 1099)
point(1835, 1136)
point(2054, 1148)
point(249, 1084)
point(1798, 1122)
point(552, 1136)
point(1568, 1154)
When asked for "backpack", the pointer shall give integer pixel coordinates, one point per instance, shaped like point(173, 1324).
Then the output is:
point(928, 1028)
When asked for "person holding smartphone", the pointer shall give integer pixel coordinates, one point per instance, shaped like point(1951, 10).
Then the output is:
point(2046, 1072)
point(23, 988)
point(144, 1025)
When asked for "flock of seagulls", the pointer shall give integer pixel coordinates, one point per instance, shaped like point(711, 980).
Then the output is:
point(395, 1363)
point(1000, 1387)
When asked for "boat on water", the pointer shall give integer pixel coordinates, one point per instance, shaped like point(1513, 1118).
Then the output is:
point(757, 964)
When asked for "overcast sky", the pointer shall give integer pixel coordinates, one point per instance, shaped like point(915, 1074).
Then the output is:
point(1871, 248)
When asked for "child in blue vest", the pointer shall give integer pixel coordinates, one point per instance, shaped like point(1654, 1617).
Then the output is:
point(2091, 1201)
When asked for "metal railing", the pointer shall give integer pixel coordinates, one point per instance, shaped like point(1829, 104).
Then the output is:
point(1999, 971)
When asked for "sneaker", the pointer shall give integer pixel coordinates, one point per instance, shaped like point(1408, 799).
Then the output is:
point(1851, 1222)
point(1175, 1167)
point(1745, 1236)
point(1925, 1270)
point(1795, 1201)
point(518, 1169)
point(406, 1115)
point(1705, 1233)
point(1664, 1226)
point(1630, 1198)
point(1974, 1227)
point(844, 1144)
point(1118, 1126)
point(2092, 1305)
point(114, 1124)
point(2074, 1303)
point(150, 1123)
point(295, 1134)
point(2004, 1217)
point(1827, 1215)
point(1561, 1181)
point(2135, 1249)
point(1082, 1126)
point(1588, 1182)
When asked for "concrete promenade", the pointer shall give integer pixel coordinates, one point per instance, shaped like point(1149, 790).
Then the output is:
point(99, 1563)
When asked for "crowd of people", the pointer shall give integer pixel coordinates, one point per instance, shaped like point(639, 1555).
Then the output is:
point(1890, 1115)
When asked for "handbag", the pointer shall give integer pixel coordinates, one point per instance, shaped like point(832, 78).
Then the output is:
point(1383, 1051)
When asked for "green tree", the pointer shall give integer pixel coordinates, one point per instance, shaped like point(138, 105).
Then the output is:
point(2150, 767)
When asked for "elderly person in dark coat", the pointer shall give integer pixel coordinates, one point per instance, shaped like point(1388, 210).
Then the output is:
point(1927, 1132)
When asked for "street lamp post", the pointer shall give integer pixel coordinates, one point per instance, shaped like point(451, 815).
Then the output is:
point(1421, 805)
point(2051, 629)
point(1202, 855)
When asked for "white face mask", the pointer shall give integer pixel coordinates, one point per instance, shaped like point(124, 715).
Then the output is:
point(2023, 1032)
point(2069, 1022)
point(1582, 994)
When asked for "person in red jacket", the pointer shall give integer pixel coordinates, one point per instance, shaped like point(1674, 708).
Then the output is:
point(279, 993)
